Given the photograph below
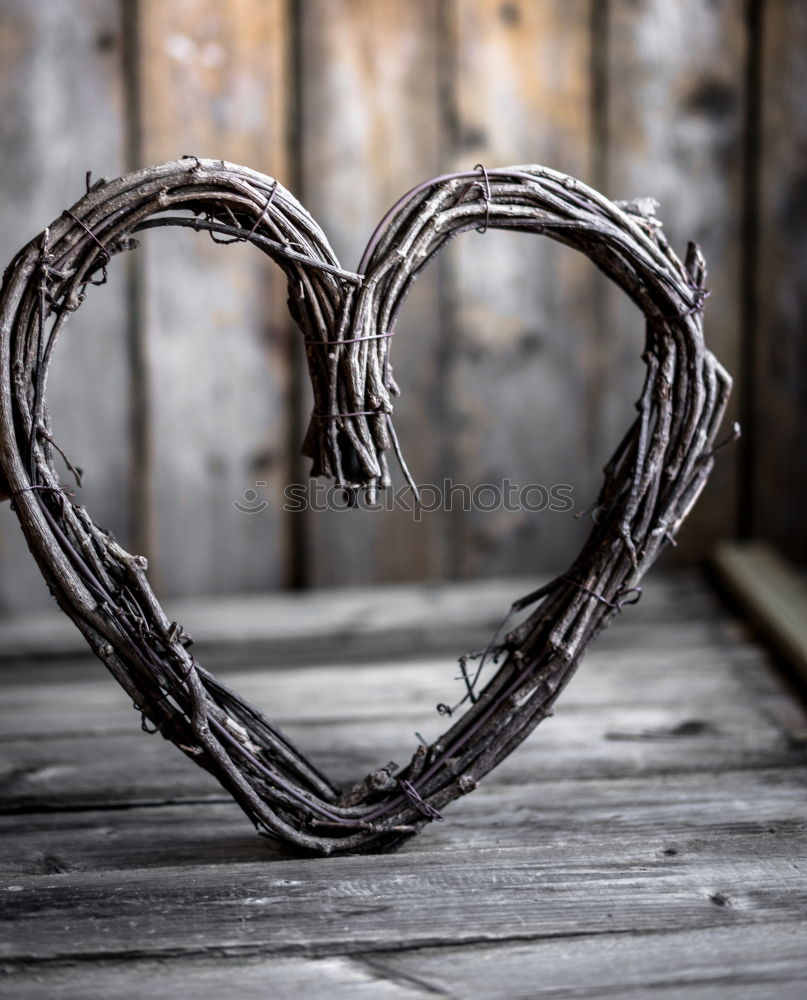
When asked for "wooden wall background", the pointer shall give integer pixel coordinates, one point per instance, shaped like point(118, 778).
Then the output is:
point(188, 356)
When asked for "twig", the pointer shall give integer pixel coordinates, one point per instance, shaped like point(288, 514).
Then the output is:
point(347, 321)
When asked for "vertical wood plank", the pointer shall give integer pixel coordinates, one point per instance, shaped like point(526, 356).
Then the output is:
point(370, 120)
point(675, 131)
point(779, 377)
point(62, 114)
point(214, 83)
point(521, 306)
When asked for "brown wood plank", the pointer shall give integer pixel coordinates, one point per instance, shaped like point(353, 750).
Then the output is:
point(675, 108)
point(521, 318)
point(370, 120)
point(345, 905)
point(704, 814)
point(715, 962)
point(779, 442)
point(214, 83)
point(61, 90)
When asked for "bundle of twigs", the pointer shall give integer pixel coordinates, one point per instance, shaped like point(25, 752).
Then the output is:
point(347, 320)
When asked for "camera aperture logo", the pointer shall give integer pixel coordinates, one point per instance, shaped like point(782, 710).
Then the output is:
point(251, 501)
point(448, 496)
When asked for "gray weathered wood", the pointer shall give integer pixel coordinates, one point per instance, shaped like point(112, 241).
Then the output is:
point(254, 978)
point(312, 620)
point(589, 742)
point(344, 904)
point(61, 91)
point(642, 98)
point(648, 841)
point(370, 119)
point(739, 961)
point(393, 618)
point(521, 314)
point(779, 361)
point(659, 695)
point(82, 700)
point(217, 327)
point(771, 593)
point(674, 107)
point(704, 814)
point(748, 961)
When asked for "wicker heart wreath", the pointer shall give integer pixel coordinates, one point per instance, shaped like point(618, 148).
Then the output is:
point(347, 319)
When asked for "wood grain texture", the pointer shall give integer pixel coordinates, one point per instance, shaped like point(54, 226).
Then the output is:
point(706, 814)
point(390, 620)
point(675, 113)
point(303, 625)
point(215, 83)
point(640, 97)
point(87, 702)
point(210, 979)
point(748, 962)
point(650, 841)
point(780, 351)
point(509, 891)
point(61, 90)
point(521, 314)
point(660, 698)
point(589, 744)
point(370, 119)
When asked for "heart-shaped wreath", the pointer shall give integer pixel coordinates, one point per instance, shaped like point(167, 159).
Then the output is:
point(347, 320)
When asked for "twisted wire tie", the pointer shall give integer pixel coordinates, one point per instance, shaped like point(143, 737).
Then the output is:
point(417, 801)
point(171, 690)
point(357, 413)
point(485, 189)
point(352, 340)
point(91, 234)
point(700, 295)
point(622, 595)
point(262, 216)
point(45, 489)
point(256, 223)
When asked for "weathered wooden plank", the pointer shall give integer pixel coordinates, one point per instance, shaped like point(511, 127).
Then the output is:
point(87, 701)
point(748, 961)
point(391, 646)
point(370, 120)
point(666, 800)
point(745, 961)
point(311, 618)
point(61, 92)
point(214, 83)
point(675, 103)
point(381, 618)
point(344, 905)
point(250, 978)
point(706, 814)
point(772, 595)
point(521, 307)
point(779, 442)
point(587, 742)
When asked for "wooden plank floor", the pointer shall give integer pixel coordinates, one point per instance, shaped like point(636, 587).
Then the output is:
point(648, 840)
